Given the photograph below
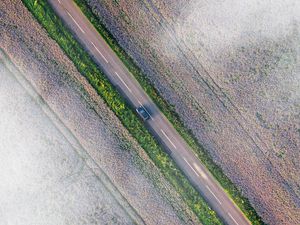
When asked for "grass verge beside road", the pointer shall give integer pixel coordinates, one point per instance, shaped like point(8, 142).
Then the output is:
point(242, 202)
point(45, 15)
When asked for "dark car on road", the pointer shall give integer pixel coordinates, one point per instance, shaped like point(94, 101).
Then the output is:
point(143, 113)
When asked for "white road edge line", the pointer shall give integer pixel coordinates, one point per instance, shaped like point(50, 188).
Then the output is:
point(99, 52)
point(123, 82)
point(191, 167)
point(232, 218)
point(208, 188)
point(76, 22)
point(168, 138)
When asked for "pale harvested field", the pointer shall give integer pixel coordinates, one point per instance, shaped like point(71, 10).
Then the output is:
point(43, 179)
point(81, 165)
point(235, 66)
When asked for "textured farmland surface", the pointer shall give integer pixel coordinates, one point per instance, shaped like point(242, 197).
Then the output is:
point(43, 179)
point(113, 156)
point(231, 69)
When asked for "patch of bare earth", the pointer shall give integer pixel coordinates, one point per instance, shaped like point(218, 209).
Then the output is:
point(231, 69)
point(109, 151)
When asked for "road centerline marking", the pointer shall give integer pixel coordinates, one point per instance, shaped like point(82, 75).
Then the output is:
point(191, 167)
point(99, 52)
point(208, 188)
point(168, 138)
point(75, 22)
point(203, 175)
point(232, 218)
point(123, 82)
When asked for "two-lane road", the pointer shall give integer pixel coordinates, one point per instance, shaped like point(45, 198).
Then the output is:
point(160, 127)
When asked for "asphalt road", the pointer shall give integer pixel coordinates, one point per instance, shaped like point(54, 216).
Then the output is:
point(160, 127)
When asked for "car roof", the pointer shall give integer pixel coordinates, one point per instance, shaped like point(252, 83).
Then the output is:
point(142, 111)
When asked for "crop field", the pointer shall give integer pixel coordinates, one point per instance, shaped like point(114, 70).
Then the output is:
point(43, 163)
point(231, 72)
point(104, 158)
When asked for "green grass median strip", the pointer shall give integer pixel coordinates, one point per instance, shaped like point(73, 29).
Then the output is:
point(172, 116)
point(45, 15)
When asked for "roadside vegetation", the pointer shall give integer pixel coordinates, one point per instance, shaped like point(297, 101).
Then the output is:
point(242, 202)
point(45, 15)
